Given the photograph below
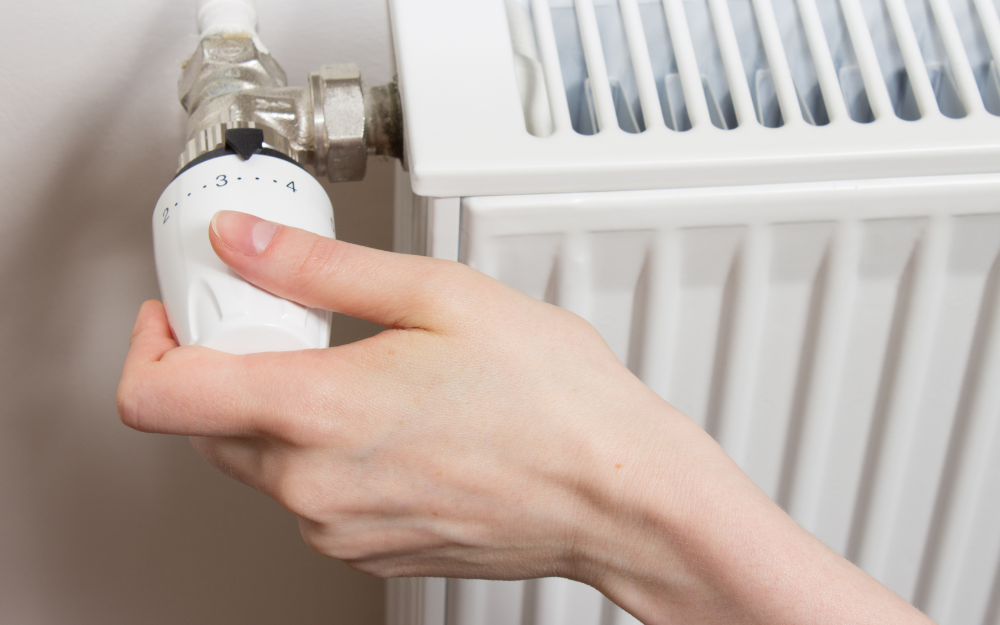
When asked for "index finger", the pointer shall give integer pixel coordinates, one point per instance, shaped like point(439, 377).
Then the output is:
point(394, 290)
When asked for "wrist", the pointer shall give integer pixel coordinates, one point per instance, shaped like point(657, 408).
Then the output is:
point(678, 533)
point(645, 535)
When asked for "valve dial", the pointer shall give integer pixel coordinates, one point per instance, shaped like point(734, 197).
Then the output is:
point(206, 302)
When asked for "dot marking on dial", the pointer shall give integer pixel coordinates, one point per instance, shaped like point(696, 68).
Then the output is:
point(220, 182)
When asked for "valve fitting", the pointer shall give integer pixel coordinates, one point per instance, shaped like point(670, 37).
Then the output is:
point(331, 124)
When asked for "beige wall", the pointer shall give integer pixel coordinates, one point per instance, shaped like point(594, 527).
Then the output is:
point(100, 524)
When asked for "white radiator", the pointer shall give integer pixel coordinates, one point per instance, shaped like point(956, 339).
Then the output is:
point(782, 215)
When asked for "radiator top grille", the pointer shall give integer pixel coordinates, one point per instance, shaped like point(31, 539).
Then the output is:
point(522, 96)
point(634, 65)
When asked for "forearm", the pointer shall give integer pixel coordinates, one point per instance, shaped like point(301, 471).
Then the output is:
point(686, 537)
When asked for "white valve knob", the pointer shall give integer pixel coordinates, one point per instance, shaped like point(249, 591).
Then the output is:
point(207, 303)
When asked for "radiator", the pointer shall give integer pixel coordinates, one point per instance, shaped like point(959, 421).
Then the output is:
point(782, 215)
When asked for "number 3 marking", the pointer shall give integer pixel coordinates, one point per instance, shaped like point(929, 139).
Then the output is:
point(221, 181)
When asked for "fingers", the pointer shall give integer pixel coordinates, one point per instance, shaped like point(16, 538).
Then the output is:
point(150, 340)
point(151, 336)
point(391, 289)
point(198, 391)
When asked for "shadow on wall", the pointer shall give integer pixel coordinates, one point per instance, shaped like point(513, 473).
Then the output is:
point(100, 524)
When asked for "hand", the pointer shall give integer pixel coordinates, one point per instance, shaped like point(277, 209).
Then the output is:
point(454, 443)
point(482, 434)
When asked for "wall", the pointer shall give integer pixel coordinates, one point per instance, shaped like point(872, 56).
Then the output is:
point(100, 524)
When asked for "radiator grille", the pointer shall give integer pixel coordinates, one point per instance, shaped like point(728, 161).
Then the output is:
point(544, 96)
point(632, 65)
point(841, 341)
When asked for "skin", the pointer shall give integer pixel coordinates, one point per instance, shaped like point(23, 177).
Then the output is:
point(483, 434)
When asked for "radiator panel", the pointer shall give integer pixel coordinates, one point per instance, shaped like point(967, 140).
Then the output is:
point(839, 339)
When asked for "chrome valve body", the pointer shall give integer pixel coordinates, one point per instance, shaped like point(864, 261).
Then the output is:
point(332, 124)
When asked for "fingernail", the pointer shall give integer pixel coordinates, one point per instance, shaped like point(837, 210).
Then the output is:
point(244, 233)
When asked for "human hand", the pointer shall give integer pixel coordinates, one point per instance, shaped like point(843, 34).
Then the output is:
point(482, 434)
point(456, 442)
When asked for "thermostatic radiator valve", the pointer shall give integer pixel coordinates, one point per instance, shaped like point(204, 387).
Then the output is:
point(250, 138)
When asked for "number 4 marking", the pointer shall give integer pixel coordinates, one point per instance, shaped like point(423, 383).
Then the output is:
point(291, 185)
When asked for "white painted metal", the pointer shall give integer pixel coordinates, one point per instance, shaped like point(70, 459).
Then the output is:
point(742, 101)
point(466, 132)
point(986, 11)
point(687, 64)
point(426, 226)
point(819, 49)
point(888, 546)
point(745, 342)
point(600, 85)
point(783, 84)
point(914, 62)
point(550, 61)
point(639, 51)
point(802, 492)
point(444, 216)
point(822, 297)
point(952, 40)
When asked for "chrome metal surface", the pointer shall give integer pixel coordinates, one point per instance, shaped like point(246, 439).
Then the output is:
point(340, 148)
point(214, 137)
point(223, 65)
point(230, 83)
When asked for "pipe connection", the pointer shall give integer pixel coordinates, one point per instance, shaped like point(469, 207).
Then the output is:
point(333, 124)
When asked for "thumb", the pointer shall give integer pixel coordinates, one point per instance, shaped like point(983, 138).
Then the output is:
point(394, 290)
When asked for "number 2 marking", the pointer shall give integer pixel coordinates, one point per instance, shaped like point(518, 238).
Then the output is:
point(166, 214)
point(221, 180)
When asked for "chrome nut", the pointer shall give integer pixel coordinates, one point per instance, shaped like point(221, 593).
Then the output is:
point(339, 122)
point(226, 64)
